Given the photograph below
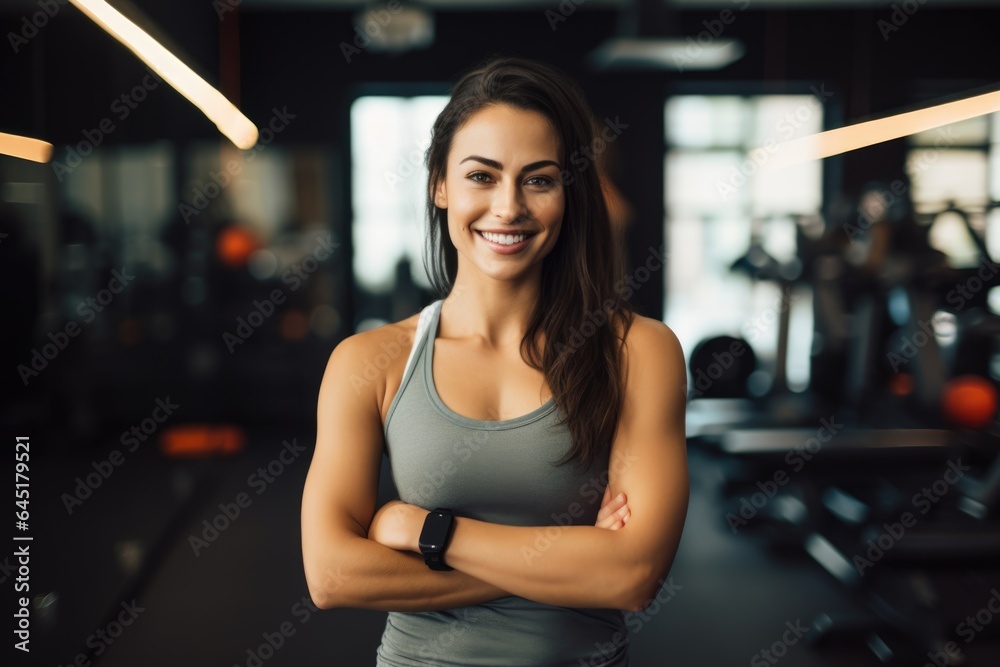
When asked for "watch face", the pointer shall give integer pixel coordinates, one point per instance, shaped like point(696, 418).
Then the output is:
point(435, 532)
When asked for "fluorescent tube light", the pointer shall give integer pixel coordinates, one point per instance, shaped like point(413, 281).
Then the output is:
point(25, 148)
point(230, 121)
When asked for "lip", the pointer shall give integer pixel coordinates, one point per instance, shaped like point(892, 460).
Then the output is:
point(506, 231)
point(502, 249)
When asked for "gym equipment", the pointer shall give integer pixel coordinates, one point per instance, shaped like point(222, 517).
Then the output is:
point(746, 394)
point(721, 366)
point(848, 510)
point(760, 266)
point(894, 551)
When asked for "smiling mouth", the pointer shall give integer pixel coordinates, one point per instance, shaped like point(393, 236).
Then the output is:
point(506, 239)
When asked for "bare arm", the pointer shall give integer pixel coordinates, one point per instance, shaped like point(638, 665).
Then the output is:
point(583, 566)
point(342, 567)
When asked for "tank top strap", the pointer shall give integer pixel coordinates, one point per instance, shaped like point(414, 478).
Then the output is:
point(427, 316)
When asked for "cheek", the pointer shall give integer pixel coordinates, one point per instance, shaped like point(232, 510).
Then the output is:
point(558, 208)
point(465, 212)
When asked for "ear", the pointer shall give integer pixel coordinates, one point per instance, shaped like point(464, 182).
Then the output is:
point(441, 195)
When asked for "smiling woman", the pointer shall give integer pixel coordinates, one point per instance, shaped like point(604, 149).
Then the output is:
point(498, 552)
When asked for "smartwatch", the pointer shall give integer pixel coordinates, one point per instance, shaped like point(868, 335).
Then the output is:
point(434, 537)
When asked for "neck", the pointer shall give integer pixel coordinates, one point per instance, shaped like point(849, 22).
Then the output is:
point(493, 312)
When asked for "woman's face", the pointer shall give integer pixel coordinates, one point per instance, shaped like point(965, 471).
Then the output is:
point(503, 177)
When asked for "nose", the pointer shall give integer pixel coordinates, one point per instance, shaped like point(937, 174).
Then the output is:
point(508, 203)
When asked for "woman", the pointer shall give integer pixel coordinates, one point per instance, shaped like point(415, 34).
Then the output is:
point(487, 396)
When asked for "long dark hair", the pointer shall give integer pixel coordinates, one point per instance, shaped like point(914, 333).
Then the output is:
point(581, 306)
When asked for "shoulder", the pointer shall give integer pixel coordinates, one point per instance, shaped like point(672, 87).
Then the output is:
point(652, 355)
point(379, 346)
point(646, 335)
point(367, 357)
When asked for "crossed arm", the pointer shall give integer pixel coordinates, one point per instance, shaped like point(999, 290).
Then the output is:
point(379, 567)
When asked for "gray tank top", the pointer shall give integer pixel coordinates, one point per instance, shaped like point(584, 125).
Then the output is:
point(501, 472)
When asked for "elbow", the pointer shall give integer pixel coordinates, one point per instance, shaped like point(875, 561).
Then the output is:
point(650, 585)
point(635, 597)
point(325, 584)
point(629, 592)
point(320, 599)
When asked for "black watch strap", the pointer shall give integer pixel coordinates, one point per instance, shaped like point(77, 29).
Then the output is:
point(434, 537)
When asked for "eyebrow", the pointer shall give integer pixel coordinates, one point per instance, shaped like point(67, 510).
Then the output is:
point(496, 165)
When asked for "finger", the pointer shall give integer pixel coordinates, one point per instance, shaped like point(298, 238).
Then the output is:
point(614, 520)
point(608, 508)
point(617, 515)
point(610, 523)
point(615, 524)
point(606, 518)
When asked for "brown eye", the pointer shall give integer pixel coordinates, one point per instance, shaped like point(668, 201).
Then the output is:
point(545, 181)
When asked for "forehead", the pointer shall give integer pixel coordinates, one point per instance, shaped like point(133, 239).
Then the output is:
point(501, 131)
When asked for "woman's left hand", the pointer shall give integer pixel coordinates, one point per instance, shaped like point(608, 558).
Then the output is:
point(397, 525)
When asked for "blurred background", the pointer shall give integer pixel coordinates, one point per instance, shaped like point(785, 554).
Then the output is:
point(170, 301)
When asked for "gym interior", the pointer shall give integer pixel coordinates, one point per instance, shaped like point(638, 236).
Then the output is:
point(173, 293)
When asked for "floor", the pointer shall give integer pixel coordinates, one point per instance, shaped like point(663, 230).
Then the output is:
point(140, 551)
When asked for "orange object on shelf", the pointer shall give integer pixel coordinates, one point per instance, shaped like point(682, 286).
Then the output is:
point(193, 440)
point(969, 400)
point(235, 244)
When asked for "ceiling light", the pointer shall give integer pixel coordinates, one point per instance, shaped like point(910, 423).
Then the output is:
point(230, 121)
point(834, 142)
point(25, 148)
point(664, 53)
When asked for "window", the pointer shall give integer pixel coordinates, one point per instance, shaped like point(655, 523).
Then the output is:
point(959, 163)
point(389, 136)
point(715, 201)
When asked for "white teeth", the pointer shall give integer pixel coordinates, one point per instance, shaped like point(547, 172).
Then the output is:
point(505, 239)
